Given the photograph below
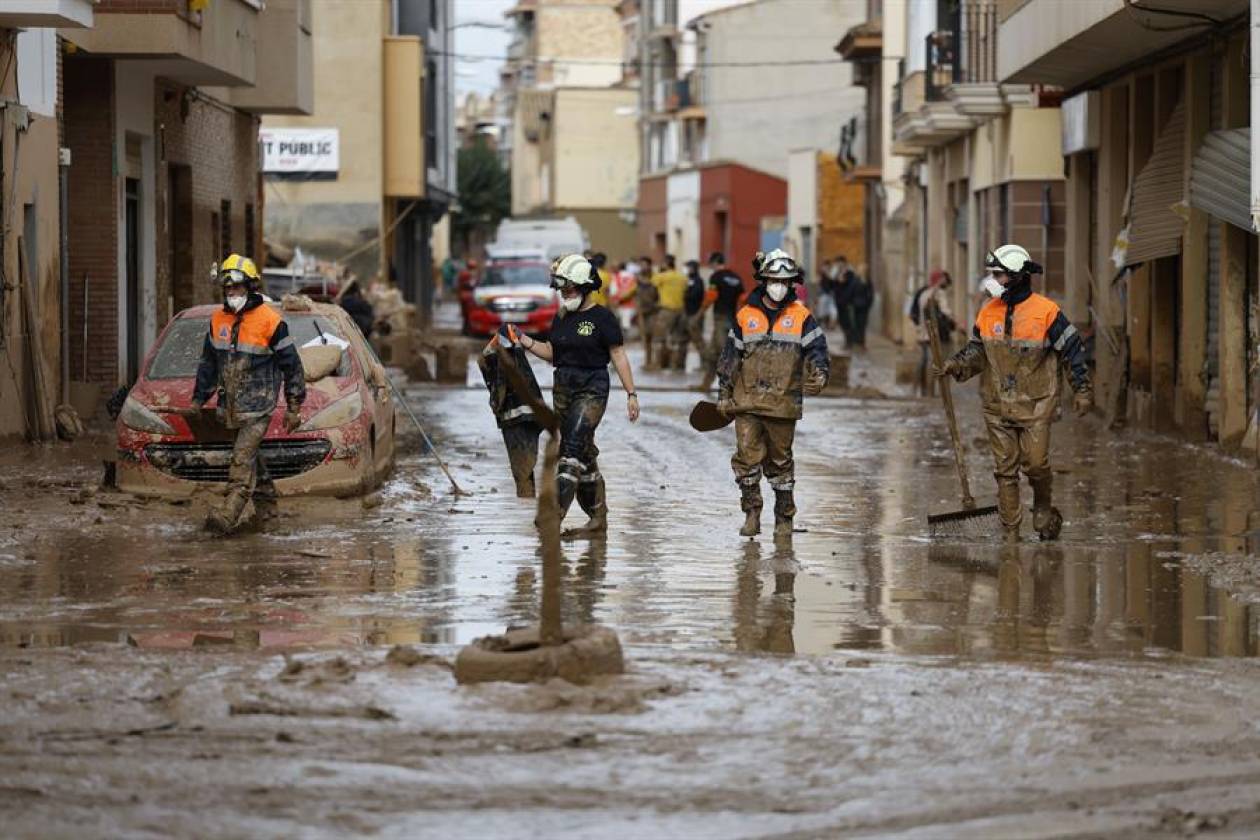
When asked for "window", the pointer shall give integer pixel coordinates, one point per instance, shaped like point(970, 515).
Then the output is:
point(216, 235)
point(225, 232)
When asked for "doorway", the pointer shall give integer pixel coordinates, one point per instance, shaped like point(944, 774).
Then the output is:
point(132, 279)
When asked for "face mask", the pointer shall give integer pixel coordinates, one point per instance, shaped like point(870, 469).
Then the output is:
point(992, 286)
point(777, 291)
point(571, 304)
point(237, 302)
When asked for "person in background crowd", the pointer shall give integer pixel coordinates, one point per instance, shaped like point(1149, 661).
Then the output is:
point(725, 290)
point(358, 308)
point(693, 308)
point(671, 326)
point(928, 300)
point(647, 305)
point(450, 271)
point(843, 288)
point(599, 262)
point(825, 311)
point(861, 299)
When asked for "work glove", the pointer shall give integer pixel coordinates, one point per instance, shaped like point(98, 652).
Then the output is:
point(947, 368)
point(726, 405)
point(815, 380)
point(293, 418)
point(1083, 402)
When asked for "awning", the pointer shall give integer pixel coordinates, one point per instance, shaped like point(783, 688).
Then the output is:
point(1220, 177)
point(1154, 226)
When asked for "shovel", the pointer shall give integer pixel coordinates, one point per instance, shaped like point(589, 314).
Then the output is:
point(705, 417)
point(970, 518)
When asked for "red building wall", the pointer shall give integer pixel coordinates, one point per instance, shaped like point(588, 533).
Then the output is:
point(651, 215)
point(733, 200)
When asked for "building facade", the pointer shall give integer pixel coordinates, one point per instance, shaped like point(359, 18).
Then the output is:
point(160, 114)
point(1161, 250)
point(373, 202)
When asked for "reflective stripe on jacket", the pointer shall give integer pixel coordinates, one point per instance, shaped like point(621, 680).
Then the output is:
point(244, 357)
point(1017, 349)
point(772, 358)
point(508, 408)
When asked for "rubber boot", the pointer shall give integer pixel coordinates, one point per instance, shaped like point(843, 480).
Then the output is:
point(750, 503)
point(1047, 521)
point(784, 511)
point(590, 497)
point(224, 519)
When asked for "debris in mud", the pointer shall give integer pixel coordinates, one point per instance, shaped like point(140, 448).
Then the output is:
point(408, 657)
point(607, 695)
point(336, 670)
point(277, 709)
point(371, 500)
point(1188, 823)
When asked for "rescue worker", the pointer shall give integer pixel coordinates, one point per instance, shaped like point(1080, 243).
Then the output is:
point(647, 303)
point(775, 353)
point(1017, 345)
point(670, 328)
point(585, 338)
point(725, 289)
point(694, 304)
point(512, 414)
point(601, 295)
point(245, 356)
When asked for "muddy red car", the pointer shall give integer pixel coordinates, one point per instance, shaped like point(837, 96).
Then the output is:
point(517, 293)
point(344, 445)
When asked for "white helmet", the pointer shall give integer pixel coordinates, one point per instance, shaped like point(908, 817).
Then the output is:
point(1011, 259)
point(573, 270)
point(777, 265)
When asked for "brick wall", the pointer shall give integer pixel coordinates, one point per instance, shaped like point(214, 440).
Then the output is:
point(219, 145)
point(88, 110)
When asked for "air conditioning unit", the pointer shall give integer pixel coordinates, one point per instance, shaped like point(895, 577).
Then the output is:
point(1081, 115)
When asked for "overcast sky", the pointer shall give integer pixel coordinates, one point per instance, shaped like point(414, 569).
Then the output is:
point(479, 76)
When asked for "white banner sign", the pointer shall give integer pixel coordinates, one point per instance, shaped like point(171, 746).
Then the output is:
point(299, 149)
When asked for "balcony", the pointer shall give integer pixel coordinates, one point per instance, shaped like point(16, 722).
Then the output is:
point(215, 45)
point(22, 14)
point(404, 152)
point(1070, 44)
point(285, 83)
point(864, 42)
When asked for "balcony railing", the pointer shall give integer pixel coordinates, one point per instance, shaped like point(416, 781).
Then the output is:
point(966, 53)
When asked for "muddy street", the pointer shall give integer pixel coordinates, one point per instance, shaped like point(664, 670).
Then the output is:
point(859, 678)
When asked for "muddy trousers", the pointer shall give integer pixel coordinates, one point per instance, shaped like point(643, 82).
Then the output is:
point(247, 474)
point(521, 440)
point(763, 446)
point(1020, 447)
point(670, 333)
point(579, 410)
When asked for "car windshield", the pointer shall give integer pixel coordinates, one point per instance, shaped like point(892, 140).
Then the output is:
point(517, 275)
point(180, 351)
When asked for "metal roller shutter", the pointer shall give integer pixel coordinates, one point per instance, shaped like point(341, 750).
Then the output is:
point(1154, 229)
point(1221, 176)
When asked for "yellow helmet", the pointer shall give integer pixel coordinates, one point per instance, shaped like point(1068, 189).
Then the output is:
point(238, 269)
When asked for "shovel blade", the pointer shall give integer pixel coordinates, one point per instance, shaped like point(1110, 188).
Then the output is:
point(705, 417)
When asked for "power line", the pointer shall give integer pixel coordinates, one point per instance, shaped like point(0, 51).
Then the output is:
point(804, 62)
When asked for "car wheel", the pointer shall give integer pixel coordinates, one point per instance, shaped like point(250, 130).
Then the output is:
point(369, 480)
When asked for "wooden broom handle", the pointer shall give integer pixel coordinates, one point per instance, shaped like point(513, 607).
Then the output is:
point(929, 314)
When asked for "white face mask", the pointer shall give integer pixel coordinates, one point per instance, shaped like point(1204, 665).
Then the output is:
point(992, 286)
point(237, 302)
point(777, 291)
point(571, 304)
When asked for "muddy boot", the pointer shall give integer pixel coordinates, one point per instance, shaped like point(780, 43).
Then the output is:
point(223, 520)
point(590, 497)
point(265, 509)
point(1047, 522)
point(750, 503)
point(784, 511)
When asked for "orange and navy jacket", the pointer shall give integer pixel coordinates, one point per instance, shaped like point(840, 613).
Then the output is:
point(772, 358)
point(1017, 347)
point(244, 357)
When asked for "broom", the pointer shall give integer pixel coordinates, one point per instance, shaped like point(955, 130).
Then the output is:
point(971, 520)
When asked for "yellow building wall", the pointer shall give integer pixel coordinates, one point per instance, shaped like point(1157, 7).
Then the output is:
point(588, 30)
point(595, 149)
point(840, 215)
point(1035, 145)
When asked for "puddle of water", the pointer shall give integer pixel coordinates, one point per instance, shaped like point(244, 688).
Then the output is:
point(862, 575)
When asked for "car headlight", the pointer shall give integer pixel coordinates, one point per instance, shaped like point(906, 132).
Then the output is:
point(339, 413)
point(140, 417)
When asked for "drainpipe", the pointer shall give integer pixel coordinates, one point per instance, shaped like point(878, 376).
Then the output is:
point(1255, 109)
point(63, 170)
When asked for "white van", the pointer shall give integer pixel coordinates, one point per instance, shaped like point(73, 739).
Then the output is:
point(548, 238)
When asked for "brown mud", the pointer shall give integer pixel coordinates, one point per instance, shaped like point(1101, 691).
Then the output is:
point(858, 679)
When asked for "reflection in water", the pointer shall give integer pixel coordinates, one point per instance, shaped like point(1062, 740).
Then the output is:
point(766, 626)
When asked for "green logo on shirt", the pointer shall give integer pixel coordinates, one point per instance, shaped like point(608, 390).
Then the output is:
point(586, 328)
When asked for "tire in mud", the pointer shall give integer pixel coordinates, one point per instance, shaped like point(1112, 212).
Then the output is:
point(517, 656)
